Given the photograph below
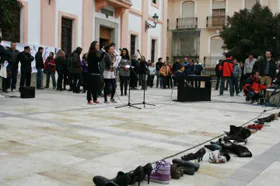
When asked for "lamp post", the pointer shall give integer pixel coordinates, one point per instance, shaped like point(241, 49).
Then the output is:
point(155, 21)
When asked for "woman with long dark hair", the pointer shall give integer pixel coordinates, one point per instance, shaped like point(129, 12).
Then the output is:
point(124, 70)
point(60, 61)
point(94, 57)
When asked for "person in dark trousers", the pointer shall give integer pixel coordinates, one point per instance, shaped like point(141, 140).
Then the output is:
point(85, 72)
point(227, 66)
point(165, 71)
point(13, 66)
point(158, 67)
point(152, 73)
point(143, 73)
point(236, 76)
point(60, 62)
point(134, 72)
point(93, 59)
point(124, 71)
point(69, 60)
point(49, 69)
point(219, 72)
point(39, 66)
point(109, 74)
point(76, 70)
point(25, 59)
point(241, 83)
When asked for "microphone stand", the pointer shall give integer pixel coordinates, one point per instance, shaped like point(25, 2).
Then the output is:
point(129, 100)
point(144, 92)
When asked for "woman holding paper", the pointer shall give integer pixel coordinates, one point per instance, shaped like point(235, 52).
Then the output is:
point(124, 70)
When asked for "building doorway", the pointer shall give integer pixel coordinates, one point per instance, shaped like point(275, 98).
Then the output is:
point(66, 35)
point(105, 36)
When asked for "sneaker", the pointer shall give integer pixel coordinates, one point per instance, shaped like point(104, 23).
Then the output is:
point(161, 172)
point(216, 157)
point(96, 101)
point(90, 102)
point(113, 101)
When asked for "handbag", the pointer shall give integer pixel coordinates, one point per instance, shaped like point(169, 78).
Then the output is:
point(3, 71)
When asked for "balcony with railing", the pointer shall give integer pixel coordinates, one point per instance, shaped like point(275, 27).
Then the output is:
point(119, 5)
point(211, 61)
point(183, 23)
point(217, 21)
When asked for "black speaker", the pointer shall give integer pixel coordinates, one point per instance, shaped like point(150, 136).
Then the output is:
point(27, 92)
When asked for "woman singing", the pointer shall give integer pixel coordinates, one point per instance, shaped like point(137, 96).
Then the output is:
point(124, 70)
point(94, 57)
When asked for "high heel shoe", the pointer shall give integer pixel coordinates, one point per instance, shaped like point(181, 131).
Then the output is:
point(137, 175)
point(198, 155)
point(102, 181)
point(122, 179)
point(148, 171)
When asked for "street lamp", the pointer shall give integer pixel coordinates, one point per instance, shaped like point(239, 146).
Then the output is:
point(155, 20)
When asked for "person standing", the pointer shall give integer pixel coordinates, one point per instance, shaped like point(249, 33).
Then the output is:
point(50, 70)
point(124, 71)
point(85, 72)
point(60, 62)
point(165, 71)
point(227, 70)
point(267, 69)
point(248, 66)
point(25, 59)
point(13, 65)
point(219, 72)
point(39, 66)
point(76, 69)
point(93, 59)
point(158, 67)
point(143, 73)
point(152, 72)
point(134, 72)
point(236, 76)
point(109, 75)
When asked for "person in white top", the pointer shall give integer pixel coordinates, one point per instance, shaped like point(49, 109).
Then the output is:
point(248, 66)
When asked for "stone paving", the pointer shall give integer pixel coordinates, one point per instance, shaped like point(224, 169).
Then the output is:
point(57, 139)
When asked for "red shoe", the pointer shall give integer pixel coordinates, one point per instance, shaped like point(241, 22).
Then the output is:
point(258, 126)
point(90, 102)
point(96, 101)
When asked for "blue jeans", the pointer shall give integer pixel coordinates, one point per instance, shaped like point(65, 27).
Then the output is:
point(159, 81)
point(39, 77)
point(235, 84)
point(222, 87)
point(52, 74)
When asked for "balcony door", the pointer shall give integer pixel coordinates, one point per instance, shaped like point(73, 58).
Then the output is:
point(219, 13)
point(187, 20)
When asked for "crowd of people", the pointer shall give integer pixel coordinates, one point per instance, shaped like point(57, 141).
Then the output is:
point(254, 76)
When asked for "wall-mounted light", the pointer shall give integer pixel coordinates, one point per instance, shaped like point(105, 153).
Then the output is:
point(155, 20)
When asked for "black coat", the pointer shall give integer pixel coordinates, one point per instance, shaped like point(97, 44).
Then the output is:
point(143, 69)
point(93, 62)
point(135, 70)
point(25, 60)
point(39, 60)
point(76, 64)
point(59, 63)
point(176, 66)
point(4, 55)
point(260, 67)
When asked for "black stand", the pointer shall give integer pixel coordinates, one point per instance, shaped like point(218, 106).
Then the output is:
point(144, 96)
point(129, 103)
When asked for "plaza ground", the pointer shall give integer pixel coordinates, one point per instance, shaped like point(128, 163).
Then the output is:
point(57, 139)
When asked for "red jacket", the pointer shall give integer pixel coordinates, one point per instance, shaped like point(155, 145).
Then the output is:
point(227, 67)
point(49, 65)
point(253, 84)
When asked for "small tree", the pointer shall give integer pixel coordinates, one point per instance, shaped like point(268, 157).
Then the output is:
point(251, 31)
point(6, 6)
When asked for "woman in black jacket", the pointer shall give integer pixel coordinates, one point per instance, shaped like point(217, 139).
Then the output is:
point(143, 72)
point(94, 57)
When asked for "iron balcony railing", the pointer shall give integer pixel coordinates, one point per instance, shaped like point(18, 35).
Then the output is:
point(211, 61)
point(217, 21)
point(186, 23)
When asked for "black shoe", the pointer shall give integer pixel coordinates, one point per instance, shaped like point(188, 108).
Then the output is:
point(198, 155)
point(148, 171)
point(189, 170)
point(122, 179)
point(137, 175)
point(70, 90)
point(121, 94)
point(176, 171)
point(102, 181)
point(213, 147)
point(186, 164)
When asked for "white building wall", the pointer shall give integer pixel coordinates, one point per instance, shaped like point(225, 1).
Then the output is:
point(34, 22)
point(155, 32)
point(137, 4)
point(153, 10)
point(135, 25)
point(73, 7)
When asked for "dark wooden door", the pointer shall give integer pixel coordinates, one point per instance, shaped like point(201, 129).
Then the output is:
point(66, 35)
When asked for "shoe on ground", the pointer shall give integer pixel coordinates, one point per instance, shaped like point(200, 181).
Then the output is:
point(102, 181)
point(96, 102)
point(217, 157)
point(186, 164)
point(161, 172)
point(113, 101)
point(90, 103)
point(122, 179)
point(213, 147)
point(106, 102)
point(176, 171)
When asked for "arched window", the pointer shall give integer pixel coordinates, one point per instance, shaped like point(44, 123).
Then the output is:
point(13, 33)
point(250, 3)
point(188, 9)
point(216, 49)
